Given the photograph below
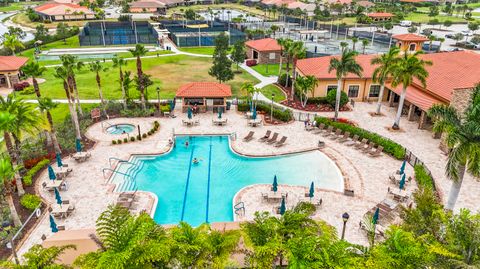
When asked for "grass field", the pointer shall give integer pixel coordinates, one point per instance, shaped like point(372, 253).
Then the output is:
point(22, 19)
point(252, 10)
point(424, 18)
point(168, 73)
point(17, 6)
point(267, 69)
point(199, 50)
point(269, 89)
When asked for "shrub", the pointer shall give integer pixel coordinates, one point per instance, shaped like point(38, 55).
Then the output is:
point(132, 138)
point(149, 132)
point(251, 62)
point(165, 108)
point(422, 177)
point(20, 86)
point(144, 135)
point(138, 137)
point(119, 141)
point(279, 113)
point(317, 100)
point(114, 142)
point(125, 140)
point(389, 147)
point(27, 91)
point(28, 178)
point(332, 96)
point(30, 201)
point(282, 80)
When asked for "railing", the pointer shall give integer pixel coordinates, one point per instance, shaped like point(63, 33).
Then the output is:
point(239, 207)
point(104, 122)
point(114, 171)
point(119, 160)
point(413, 160)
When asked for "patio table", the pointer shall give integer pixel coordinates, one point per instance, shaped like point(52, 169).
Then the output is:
point(81, 156)
point(255, 122)
point(398, 194)
point(249, 115)
point(220, 121)
point(61, 210)
point(53, 184)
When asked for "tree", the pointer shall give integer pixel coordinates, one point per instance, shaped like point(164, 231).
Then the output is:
point(72, 65)
point(458, 36)
point(222, 65)
point(297, 51)
point(441, 40)
point(46, 105)
point(41, 258)
point(62, 31)
point(190, 14)
point(306, 85)
point(96, 67)
point(286, 49)
point(447, 23)
point(462, 138)
point(431, 38)
point(119, 62)
point(239, 53)
point(344, 65)
point(12, 43)
point(7, 175)
point(463, 232)
point(408, 67)
point(138, 52)
point(354, 42)
point(274, 28)
point(412, 29)
point(251, 91)
point(433, 11)
point(41, 33)
point(62, 73)
point(473, 26)
point(385, 64)
point(365, 43)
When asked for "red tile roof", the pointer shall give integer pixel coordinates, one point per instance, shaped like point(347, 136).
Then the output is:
point(340, 2)
point(53, 8)
point(147, 4)
point(263, 45)
point(204, 89)
point(11, 63)
point(416, 96)
point(318, 67)
point(380, 15)
point(410, 37)
point(365, 4)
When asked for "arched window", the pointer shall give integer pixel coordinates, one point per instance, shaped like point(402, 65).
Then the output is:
point(412, 47)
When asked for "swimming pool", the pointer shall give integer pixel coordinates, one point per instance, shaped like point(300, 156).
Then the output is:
point(120, 129)
point(198, 193)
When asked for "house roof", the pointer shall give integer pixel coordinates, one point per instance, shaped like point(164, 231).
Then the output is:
point(410, 37)
point(53, 8)
point(302, 6)
point(366, 4)
point(449, 71)
point(204, 89)
point(277, 2)
point(416, 96)
point(380, 15)
point(147, 4)
point(264, 45)
point(341, 2)
point(11, 63)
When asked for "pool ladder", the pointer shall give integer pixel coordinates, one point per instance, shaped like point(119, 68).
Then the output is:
point(239, 207)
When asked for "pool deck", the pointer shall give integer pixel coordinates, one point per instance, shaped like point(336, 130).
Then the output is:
point(367, 176)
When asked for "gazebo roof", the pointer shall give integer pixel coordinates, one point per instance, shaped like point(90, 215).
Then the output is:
point(11, 63)
point(204, 89)
point(410, 37)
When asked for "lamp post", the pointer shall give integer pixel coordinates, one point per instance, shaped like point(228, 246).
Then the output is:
point(158, 99)
point(271, 109)
point(345, 218)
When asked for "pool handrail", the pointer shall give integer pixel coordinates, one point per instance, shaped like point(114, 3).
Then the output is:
point(119, 160)
point(114, 171)
point(239, 206)
point(109, 124)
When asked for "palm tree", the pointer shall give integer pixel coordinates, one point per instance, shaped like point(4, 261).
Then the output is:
point(297, 51)
point(119, 62)
point(344, 65)
point(441, 40)
point(286, 45)
point(62, 73)
point(251, 91)
point(138, 52)
point(365, 43)
point(274, 29)
point(384, 66)
point(72, 65)
point(34, 70)
point(46, 105)
point(462, 137)
point(40, 257)
point(408, 67)
point(7, 174)
point(431, 38)
point(354, 42)
point(12, 43)
point(96, 67)
point(306, 85)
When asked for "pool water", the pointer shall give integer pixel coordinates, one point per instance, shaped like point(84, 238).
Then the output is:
point(120, 129)
point(203, 192)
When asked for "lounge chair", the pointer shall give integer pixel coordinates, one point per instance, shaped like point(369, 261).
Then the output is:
point(336, 135)
point(266, 136)
point(328, 131)
point(352, 141)
point(249, 137)
point(345, 137)
point(368, 147)
point(319, 129)
point(361, 144)
point(273, 139)
point(281, 142)
point(376, 152)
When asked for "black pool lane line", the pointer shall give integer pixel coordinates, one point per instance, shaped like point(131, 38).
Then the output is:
point(188, 180)
point(208, 182)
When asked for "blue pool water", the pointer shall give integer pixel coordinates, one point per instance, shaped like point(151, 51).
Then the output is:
point(198, 193)
point(120, 129)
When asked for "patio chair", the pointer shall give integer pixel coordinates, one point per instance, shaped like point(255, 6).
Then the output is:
point(281, 142)
point(336, 135)
point(273, 139)
point(265, 196)
point(353, 141)
point(127, 195)
point(345, 137)
point(319, 129)
point(328, 131)
point(376, 152)
point(361, 144)
point(70, 209)
point(196, 122)
point(249, 137)
point(266, 136)
point(368, 147)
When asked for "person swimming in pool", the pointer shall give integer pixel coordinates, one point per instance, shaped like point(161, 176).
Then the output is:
point(195, 161)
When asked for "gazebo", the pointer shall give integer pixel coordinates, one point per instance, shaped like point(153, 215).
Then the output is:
point(204, 95)
point(10, 70)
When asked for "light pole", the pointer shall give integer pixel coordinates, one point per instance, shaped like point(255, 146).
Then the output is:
point(158, 99)
point(345, 218)
point(271, 109)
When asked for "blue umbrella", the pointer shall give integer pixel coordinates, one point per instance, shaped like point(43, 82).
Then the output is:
point(78, 145)
point(402, 182)
point(220, 112)
point(275, 184)
point(254, 115)
point(57, 197)
point(189, 113)
point(172, 105)
point(59, 160)
point(402, 168)
point(51, 173)
point(250, 104)
point(53, 225)
point(376, 216)
point(283, 208)
point(311, 191)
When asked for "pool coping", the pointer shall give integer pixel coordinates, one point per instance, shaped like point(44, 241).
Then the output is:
point(104, 129)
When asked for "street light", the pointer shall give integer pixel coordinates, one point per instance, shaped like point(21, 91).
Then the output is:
point(158, 98)
point(345, 218)
point(271, 109)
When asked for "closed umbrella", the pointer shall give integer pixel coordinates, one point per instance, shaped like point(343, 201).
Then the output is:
point(172, 105)
point(275, 184)
point(254, 114)
point(376, 216)
point(402, 182)
point(220, 112)
point(51, 173)
point(59, 160)
point(57, 197)
point(402, 168)
point(78, 145)
point(53, 225)
point(189, 113)
point(283, 208)
point(311, 191)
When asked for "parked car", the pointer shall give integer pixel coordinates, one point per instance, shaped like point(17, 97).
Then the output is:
point(451, 36)
point(467, 45)
point(406, 23)
point(467, 33)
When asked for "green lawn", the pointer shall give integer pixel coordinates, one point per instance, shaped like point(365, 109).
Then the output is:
point(199, 50)
point(17, 6)
point(168, 73)
point(424, 18)
point(252, 10)
point(268, 69)
point(269, 89)
point(61, 112)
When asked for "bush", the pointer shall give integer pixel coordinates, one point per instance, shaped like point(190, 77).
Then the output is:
point(132, 138)
point(317, 100)
point(137, 112)
point(125, 140)
point(27, 91)
point(282, 80)
point(165, 108)
point(279, 113)
point(20, 86)
point(389, 147)
point(30, 201)
point(119, 141)
point(114, 142)
point(149, 132)
point(28, 178)
point(332, 96)
point(422, 178)
point(138, 137)
point(144, 135)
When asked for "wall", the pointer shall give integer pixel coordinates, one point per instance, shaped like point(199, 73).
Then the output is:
point(263, 57)
point(404, 45)
point(143, 10)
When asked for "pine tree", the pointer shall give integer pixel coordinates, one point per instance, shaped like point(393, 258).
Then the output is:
point(239, 54)
point(222, 65)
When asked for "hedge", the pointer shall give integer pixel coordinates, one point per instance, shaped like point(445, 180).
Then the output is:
point(389, 147)
point(30, 201)
point(281, 114)
point(423, 178)
point(28, 178)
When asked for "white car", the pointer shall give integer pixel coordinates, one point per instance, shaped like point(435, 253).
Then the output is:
point(467, 33)
point(405, 23)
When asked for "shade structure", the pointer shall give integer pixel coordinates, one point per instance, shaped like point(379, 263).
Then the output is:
point(220, 112)
point(402, 182)
point(189, 113)
point(57, 197)
point(376, 216)
point(51, 173)
point(311, 191)
point(402, 168)
point(283, 208)
point(78, 145)
point(53, 225)
point(275, 184)
point(59, 160)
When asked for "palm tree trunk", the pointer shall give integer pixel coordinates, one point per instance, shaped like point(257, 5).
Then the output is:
point(53, 133)
point(13, 211)
point(35, 86)
point(18, 181)
point(9, 146)
point(140, 80)
point(124, 95)
point(99, 85)
point(337, 99)
point(455, 189)
point(73, 111)
point(380, 97)
point(77, 98)
point(396, 125)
